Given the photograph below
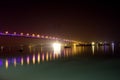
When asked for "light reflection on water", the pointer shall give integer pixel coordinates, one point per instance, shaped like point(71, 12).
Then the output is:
point(38, 58)
point(15, 62)
point(49, 55)
point(6, 63)
point(22, 61)
point(93, 49)
point(32, 59)
point(113, 47)
point(28, 60)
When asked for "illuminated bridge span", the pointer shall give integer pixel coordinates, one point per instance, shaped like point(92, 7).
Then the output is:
point(35, 36)
point(37, 42)
point(46, 39)
point(14, 42)
point(9, 39)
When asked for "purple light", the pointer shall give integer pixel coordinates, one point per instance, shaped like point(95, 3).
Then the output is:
point(1, 33)
point(1, 63)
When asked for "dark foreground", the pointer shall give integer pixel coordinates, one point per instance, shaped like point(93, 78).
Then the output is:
point(74, 68)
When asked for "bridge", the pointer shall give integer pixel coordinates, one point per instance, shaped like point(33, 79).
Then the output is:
point(21, 39)
point(37, 36)
point(34, 39)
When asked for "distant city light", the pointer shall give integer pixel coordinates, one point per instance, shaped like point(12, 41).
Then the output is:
point(93, 43)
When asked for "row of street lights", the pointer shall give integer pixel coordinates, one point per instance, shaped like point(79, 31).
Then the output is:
point(37, 36)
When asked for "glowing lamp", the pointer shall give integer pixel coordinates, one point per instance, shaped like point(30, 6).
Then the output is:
point(21, 34)
point(27, 34)
point(38, 35)
point(33, 35)
point(6, 32)
point(57, 48)
point(46, 37)
point(93, 43)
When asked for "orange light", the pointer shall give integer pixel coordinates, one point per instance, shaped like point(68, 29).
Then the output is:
point(33, 35)
point(47, 57)
point(33, 59)
point(38, 58)
point(22, 61)
point(46, 36)
point(6, 63)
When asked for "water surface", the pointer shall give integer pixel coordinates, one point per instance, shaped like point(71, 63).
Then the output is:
point(75, 63)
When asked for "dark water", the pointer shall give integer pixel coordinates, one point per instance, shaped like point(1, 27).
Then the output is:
point(29, 54)
point(36, 63)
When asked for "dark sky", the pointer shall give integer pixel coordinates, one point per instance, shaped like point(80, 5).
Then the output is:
point(85, 21)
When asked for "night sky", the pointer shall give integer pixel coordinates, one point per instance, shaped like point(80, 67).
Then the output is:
point(84, 21)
